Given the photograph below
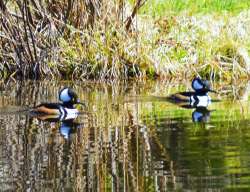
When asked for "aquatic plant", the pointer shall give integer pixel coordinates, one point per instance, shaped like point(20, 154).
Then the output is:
point(126, 140)
point(109, 40)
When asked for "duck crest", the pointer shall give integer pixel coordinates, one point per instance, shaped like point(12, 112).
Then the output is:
point(201, 85)
point(68, 95)
point(64, 95)
point(197, 84)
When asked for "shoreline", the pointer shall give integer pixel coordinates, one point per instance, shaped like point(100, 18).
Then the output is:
point(213, 46)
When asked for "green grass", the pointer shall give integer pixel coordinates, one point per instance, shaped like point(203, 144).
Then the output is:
point(174, 7)
point(171, 39)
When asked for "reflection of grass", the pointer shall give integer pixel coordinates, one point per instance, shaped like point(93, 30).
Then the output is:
point(214, 149)
point(125, 135)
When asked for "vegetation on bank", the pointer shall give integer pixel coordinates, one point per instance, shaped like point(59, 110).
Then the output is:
point(175, 7)
point(100, 40)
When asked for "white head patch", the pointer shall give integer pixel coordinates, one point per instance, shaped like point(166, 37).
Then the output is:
point(65, 131)
point(64, 95)
point(197, 85)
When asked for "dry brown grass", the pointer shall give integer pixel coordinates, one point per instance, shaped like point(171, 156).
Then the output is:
point(108, 40)
point(32, 33)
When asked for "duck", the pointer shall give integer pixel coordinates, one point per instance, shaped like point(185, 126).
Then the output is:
point(68, 127)
point(63, 110)
point(201, 114)
point(197, 98)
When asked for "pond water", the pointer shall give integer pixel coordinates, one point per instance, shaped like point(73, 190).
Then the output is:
point(127, 138)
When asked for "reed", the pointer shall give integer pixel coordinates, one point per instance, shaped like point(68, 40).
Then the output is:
point(122, 142)
point(110, 40)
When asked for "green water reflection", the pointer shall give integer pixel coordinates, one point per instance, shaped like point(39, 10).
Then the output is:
point(128, 138)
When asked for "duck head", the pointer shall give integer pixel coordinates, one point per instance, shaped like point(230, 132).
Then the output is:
point(68, 127)
point(67, 95)
point(201, 86)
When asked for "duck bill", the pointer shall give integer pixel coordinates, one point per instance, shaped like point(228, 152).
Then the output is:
point(81, 103)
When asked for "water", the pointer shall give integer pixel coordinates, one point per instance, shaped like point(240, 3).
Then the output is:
point(128, 138)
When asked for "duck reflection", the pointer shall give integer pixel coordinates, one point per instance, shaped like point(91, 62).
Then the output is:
point(201, 112)
point(67, 124)
point(198, 100)
point(68, 127)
